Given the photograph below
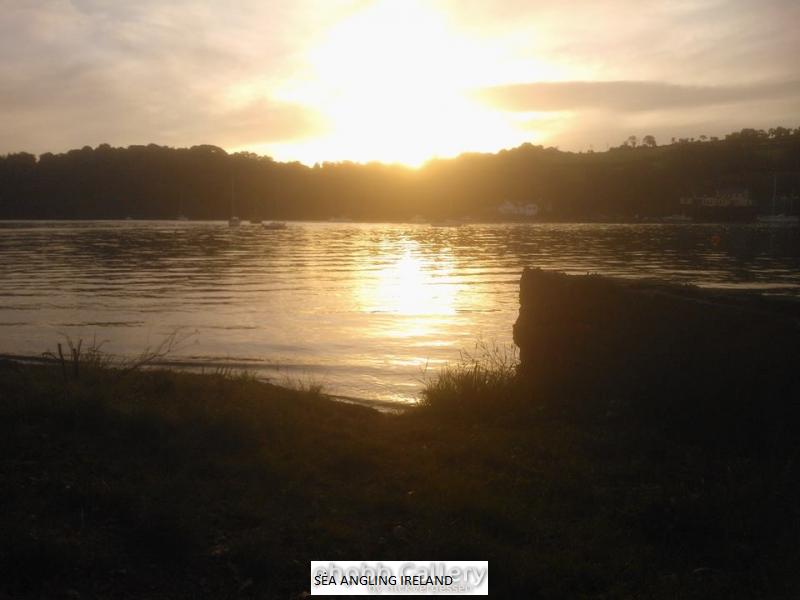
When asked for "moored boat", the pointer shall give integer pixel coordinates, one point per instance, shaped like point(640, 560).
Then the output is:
point(275, 225)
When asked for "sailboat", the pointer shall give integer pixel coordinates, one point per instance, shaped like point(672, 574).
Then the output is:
point(275, 225)
point(775, 218)
point(181, 216)
point(234, 221)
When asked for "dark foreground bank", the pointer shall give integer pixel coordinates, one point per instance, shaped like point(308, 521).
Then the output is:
point(169, 485)
point(154, 484)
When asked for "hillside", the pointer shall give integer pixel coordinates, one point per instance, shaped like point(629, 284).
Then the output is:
point(632, 181)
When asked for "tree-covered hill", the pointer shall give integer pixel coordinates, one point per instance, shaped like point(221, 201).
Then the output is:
point(634, 180)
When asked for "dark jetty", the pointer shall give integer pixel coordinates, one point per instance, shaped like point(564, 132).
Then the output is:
point(686, 355)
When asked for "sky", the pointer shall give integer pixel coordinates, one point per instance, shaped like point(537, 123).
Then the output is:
point(391, 80)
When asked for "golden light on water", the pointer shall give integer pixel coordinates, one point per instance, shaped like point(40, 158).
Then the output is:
point(411, 285)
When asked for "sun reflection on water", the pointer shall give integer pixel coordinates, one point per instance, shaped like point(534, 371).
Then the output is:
point(411, 284)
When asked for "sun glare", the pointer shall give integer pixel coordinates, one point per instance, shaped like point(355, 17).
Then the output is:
point(394, 82)
point(409, 285)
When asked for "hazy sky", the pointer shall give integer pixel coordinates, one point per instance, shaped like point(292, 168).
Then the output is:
point(395, 80)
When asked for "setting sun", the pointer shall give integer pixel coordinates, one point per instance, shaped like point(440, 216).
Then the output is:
point(394, 83)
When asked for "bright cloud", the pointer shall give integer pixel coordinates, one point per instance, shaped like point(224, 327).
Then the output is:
point(391, 80)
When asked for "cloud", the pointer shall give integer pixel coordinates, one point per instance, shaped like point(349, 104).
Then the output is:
point(704, 42)
point(184, 72)
point(88, 71)
point(628, 96)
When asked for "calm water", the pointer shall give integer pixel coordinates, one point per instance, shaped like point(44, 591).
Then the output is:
point(363, 309)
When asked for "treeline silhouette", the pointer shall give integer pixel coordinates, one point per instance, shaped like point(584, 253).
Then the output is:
point(634, 180)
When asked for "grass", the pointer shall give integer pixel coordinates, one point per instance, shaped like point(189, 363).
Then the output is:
point(147, 483)
point(474, 386)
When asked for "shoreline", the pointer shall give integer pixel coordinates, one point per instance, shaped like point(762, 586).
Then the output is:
point(197, 368)
point(426, 223)
point(574, 483)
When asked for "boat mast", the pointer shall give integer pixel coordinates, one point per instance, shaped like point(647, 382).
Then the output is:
point(774, 190)
point(233, 194)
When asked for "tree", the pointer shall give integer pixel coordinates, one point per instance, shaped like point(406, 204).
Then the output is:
point(779, 132)
point(150, 181)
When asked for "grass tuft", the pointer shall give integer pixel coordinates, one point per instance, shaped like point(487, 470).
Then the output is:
point(482, 382)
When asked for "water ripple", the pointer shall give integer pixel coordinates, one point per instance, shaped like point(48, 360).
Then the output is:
point(361, 308)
